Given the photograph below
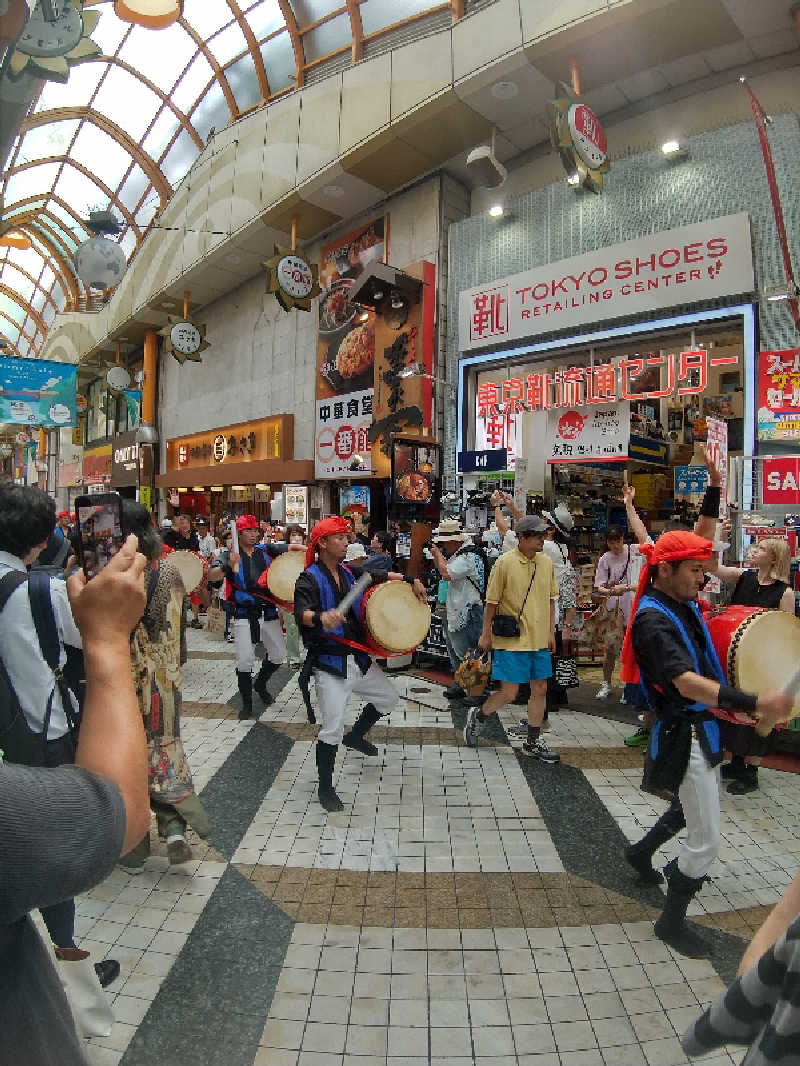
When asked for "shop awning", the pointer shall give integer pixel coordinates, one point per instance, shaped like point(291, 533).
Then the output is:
point(260, 471)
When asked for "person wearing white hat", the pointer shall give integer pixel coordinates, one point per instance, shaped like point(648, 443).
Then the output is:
point(464, 568)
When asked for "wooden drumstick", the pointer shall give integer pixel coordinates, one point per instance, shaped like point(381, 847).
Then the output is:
point(350, 597)
point(765, 724)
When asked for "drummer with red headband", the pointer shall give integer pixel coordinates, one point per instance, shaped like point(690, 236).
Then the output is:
point(667, 639)
point(243, 590)
point(339, 669)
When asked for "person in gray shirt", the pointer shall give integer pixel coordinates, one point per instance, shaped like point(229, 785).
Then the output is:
point(62, 829)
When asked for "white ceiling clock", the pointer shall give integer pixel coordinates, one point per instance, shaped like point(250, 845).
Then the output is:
point(578, 137)
point(185, 339)
point(55, 37)
point(292, 279)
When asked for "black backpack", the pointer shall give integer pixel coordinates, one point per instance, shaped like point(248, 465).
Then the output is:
point(487, 566)
point(18, 742)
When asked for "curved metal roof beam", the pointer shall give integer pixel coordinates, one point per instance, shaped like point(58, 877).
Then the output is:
point(28, 337)
point(297, 44)
point(97, 118)
point(26, 307)
point(61, 203)
point(19, 167)
point(255, 51)
point(21, 270)
point(64, 272)
point(223, 81)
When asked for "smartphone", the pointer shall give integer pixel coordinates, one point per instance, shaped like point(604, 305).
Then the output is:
point(99, 534)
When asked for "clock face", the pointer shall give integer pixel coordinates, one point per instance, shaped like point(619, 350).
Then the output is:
point(295, 276)
point(185, 338)
point(587, 136)
point(48, 39)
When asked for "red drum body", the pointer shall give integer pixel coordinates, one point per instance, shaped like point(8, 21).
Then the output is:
point(393, 619)
point(759, 650)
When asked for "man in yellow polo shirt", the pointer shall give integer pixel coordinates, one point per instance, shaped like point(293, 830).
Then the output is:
point(519, 626)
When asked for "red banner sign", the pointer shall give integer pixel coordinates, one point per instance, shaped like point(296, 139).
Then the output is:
point(779, 395)
point(781, 482)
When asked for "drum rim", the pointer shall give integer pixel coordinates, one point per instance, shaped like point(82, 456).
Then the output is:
point(283, 555)
point(743, 626)
point(371, 639)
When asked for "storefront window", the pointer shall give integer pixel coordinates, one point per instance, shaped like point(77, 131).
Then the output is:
point(96, 416)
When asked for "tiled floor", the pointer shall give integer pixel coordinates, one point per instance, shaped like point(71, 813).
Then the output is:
point(465, 907)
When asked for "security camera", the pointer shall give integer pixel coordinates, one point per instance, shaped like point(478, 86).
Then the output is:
point(486, 168)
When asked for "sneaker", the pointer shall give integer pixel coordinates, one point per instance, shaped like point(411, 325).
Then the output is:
point(178, 850)
point(454, 692)
point(195, 624)
point(131, 865)
point(107, 971)
point(638, 739)
point(520, 730)
point(230, 638)
point(540, 751)
point(472, 729)
point(603, 692)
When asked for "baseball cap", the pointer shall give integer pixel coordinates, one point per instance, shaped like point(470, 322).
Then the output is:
point(531, 523)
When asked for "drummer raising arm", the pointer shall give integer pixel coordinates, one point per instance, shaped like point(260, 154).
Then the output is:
point(681, 675)
point(339, 671)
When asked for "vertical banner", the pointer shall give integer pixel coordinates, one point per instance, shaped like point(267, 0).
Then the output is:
point(779, 395)
point(717, 445)
point(36, 392)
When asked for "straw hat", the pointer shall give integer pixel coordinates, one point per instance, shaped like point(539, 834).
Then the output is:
point(560, 519)
point(450, 529)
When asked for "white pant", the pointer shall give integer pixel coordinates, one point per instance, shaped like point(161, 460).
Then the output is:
point(271, 637)
point(699, 796)
point(334, 692)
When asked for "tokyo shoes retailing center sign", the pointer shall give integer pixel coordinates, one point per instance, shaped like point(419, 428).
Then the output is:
point(680, 266)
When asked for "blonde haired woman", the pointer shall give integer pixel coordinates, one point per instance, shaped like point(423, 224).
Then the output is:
point(766, 586)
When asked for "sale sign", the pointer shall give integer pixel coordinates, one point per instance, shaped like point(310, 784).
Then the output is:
point(781, 481)
point(779, 395)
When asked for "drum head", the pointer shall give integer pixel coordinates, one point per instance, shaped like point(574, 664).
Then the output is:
point(766, 653)
point(189, 566)
point(395, 618)
point(283, 572)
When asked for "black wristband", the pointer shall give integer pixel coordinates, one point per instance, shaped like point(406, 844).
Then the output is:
point(316, 619)
point(731, 699)
point(709, 508)
point(409, 580)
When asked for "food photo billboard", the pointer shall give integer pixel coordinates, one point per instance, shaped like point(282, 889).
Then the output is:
point(359, 354)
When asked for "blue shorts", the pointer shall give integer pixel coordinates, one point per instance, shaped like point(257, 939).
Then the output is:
point(518, 667)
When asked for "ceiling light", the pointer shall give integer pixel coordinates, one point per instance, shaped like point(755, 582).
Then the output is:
point(671, 147)
point(574, 178)
point(504, 90)
point(152, 14)
point(169, 304)
point(217, 488)
point(397, 299)
point(336, 192)
point(198, 488)
point(496, 210)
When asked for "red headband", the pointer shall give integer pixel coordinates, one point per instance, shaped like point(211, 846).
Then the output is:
point(63, 514)
point(326, 528)
point(247, 521)
point(671, 547)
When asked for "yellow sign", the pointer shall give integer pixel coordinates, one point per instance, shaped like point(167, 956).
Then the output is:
point(268, 438)
point(144, 496)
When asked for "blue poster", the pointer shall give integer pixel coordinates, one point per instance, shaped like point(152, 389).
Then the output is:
point(37, 393)
point(133, 401)
point(690, 480)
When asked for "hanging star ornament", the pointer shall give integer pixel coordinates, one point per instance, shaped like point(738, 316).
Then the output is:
point(578, 137)
point(184, 338)
point(294, 282)
point(55, 38)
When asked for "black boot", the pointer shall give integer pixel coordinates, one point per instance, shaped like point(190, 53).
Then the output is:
point(245, 679)
point(671, 926)
point(260, 683)
point(454, 692)
point(107, 971)
point(640, 854)
point(356, 738)
point(326, 757)
point(734, 769)
point(748, 782)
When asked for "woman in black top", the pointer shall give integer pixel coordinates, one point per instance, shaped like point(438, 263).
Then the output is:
point(766, 586)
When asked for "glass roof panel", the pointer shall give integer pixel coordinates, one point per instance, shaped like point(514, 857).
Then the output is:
point(378, 14)
point(264, 18)
point(48, 314)
point(110, 31)
point(179, 158)
point(228, 43)
point(212, 110)
point(192, 84)
point(161, 134)
point(145, 213)
point(37, 300)
point(330, 36)
point(279, 62)
point(59, 299)
point(23, 347)
point(54, 138)
point(11, 309)
point(101, 153)
point(206, 16)
point(243, 81)
point(48, 278)
point(21, 285)
point(75, 188)
point(308, 11)
point(160, 56)
point(80, 88)
point(129, 101)
point(60, 212)
point(136, 184)
point(29, 182)
point(127, 242)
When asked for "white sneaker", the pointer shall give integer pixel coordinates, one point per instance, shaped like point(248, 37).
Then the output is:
point(603, 692)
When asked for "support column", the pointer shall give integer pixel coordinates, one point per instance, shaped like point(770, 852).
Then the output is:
point(149, 382)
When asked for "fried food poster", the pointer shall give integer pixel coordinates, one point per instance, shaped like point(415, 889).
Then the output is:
point(357, 349)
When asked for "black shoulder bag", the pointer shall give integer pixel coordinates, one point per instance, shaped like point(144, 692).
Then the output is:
point(506, 625)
